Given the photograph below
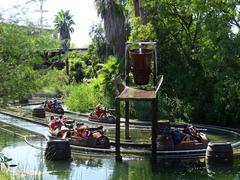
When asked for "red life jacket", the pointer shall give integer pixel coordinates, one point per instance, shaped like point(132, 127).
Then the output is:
point(53, 124)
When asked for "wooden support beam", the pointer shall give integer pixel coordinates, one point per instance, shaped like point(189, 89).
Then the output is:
point(127, 120)
point(117, 131)
point(154, 128)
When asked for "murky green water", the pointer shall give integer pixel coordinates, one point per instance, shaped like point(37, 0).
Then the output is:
point(144, 136)
point(32, 165)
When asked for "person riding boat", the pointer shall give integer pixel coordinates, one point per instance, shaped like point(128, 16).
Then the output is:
point(62, 119)
point(99, 111)
point(192, 131)
point(55, 125)
point(49, 105)
point(82, 130)
point(46, 102)
point(52, 123)
point(176, 136)
point(55, 102)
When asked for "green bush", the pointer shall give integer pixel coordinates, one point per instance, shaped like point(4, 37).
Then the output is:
point(82, 97)
point(55, 83)
point(20, 49)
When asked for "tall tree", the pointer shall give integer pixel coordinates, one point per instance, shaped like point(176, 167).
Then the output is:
point(63, 23)
point(111, 11)
point(19, 51)
point(136, 7)
point(198, 55)
point(139, 10)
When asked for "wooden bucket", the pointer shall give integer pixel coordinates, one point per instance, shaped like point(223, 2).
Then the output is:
point(58, 150)
point(219, 153)
point(141, 65)
point(39, 112)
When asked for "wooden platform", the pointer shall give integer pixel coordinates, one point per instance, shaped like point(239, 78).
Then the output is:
point(137, 94)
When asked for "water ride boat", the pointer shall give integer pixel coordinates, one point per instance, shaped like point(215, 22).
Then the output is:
point(54, 109)
point(102, 115)
point(80, 135)
point(180, 137)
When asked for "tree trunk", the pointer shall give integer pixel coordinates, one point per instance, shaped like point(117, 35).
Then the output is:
point(114, 26)
point(136, 8)
point(142, 15)
point(67, 66)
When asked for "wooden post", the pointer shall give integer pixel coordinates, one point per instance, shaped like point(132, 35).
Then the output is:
point(154, 127)
point(117, 135)
point(127, 120)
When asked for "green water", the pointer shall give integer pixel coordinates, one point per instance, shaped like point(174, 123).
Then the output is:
point(32, 165)
point(144, 136)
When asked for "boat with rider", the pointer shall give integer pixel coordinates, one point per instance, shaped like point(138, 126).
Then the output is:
point(79, 134)
point(102, 115)
point(180, 137)
point(53, 106)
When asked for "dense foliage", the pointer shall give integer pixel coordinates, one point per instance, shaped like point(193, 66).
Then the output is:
point(198, 54)
point(198, 48)
point(20, 47)
point(99, 89)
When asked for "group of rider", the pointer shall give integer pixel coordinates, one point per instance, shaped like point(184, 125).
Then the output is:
point(189, 132)
point(51, 103)
point(99, 112)
point(59, 127)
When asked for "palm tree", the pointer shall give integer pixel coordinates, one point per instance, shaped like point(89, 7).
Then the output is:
point(63, 22)
point(112, 14)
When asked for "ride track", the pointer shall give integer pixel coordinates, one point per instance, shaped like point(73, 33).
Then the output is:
point(130, 148)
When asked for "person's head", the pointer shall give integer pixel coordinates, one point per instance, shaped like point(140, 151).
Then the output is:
point(52, 117)
point(60, 116)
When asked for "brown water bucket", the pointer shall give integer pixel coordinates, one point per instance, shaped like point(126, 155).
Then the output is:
point(39, 112)
point(58, 150)
point(219, 152)
point(141, 65)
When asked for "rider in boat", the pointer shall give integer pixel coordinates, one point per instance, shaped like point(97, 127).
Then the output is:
point(176, 136)
point(82, 130)
point(49, 105)
point(192, 131)
point(55, 102)
point(46, 102)
point(55, 125)
point(62, 119)
point(99, 112)
point(52, 123)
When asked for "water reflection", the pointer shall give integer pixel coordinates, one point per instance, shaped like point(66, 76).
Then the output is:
point(31, 163)
point(88, 161)
point(59, 169)
point(218, 168)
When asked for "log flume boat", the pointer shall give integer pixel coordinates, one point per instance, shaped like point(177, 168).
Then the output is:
point(80, 135)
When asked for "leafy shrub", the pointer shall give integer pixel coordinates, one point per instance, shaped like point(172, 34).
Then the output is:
point(20, 49)
point(55, 83)
point(82, 97)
